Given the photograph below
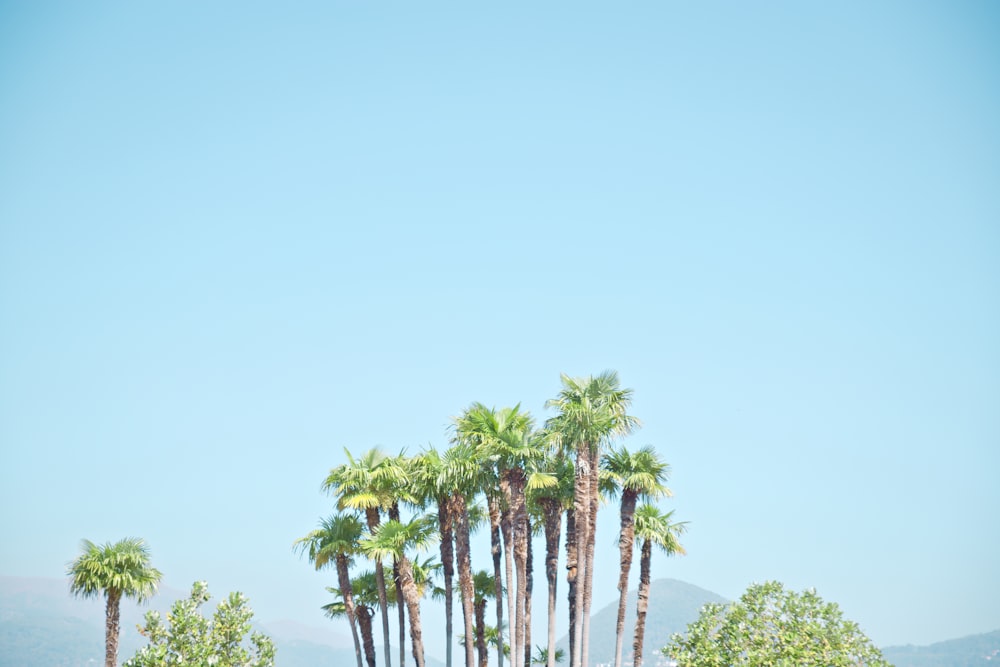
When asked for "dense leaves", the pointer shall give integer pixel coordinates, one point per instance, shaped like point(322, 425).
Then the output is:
point(772, 626)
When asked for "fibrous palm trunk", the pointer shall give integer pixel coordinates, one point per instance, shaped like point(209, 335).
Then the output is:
point(484, 656)
point(412, 597)
point(111, 623)
point(507, 530)
point(367, 634)
point(551, 523)
point(529, 585)
point(581, 505)
point(519, 528)
point(448, 569)
point(344, 580)
point(493, 503)
point(461, 516)
point(626, 539)
point(645, 557)
point(588, 582)
point(371, 516)
point(400, 609)
point(571, 573)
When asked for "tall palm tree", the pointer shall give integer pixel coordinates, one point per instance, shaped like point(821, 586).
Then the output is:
point(369, 484)
point(590, 412)
point(336, 541)
point(551, 501)
point(640, 474)
point(119, 569)
point(653, 528)
point(505, 437)
point(394, 539)
point(365, 594)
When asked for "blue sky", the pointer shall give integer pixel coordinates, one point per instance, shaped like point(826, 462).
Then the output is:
point(236, 239)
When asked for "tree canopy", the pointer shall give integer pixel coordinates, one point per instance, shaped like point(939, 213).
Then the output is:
point(770, 625)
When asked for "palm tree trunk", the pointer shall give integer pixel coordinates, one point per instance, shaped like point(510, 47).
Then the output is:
point(413, 606)
point(344, 580)
point(519, 528)
point(367, 636)
point(484, 656)
point(626, 538)
point(493, 502)
point(529, 585)
point(571, 574)
point(448, 568)
point(581, 503)
point(643, 602)
point(507, 530)
point(111, 624)
point(371, 515)
point(551, 525)
point(588, 581)
point(460, 511)
point(400, 609)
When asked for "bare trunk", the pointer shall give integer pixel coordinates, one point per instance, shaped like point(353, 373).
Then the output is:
point(461, 514)
point(112, 618)
point(529, 585)
point(552, 526)
point(571, 574)
point(484, 655)
point(581, 504)
point(493, 503)
point(400, 610)
point(413, 606)
point(371, 515)
point(367, 636)
point(643, 602)
point(448, 569)
point(626, 537)
point(519, 528)
point(588, 582)
point(344, 579)
point(507, 530)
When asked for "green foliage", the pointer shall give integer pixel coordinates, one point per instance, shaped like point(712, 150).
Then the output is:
point(772, 626)
point(119, 569)
point(188, 638)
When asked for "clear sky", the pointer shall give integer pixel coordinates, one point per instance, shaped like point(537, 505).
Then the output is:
point(237, 237)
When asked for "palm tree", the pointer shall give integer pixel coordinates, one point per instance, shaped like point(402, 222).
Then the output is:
point(551, 502)
point(120, 569)
point(641, 474)
point(505, 437)
point(369, 484)
point(484, 588)
point(393, 539)
point(366, 598)
point(590, 412)
point(544, 657)
point(653, 528)
point(336, 541)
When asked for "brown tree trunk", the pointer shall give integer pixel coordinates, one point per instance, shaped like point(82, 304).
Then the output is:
point(588, 582)
point(626, 537)
point(367, 635)
point(371, 516)
point(581, 504)
point(507, 530)
point(112, 617)
point(493, 503)
point(400, 610)
point(344, 579)
point(571, 574)
point(643, 602)
point(552, 526)
point(448, 570)
point(519, 528)
point(461, 516)
point(529, 585)
point(484, 655)
point(413, 606)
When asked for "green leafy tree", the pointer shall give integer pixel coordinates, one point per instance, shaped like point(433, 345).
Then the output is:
point(120, 569)
point(188, 638)
point(652, 528)
point(773, 626)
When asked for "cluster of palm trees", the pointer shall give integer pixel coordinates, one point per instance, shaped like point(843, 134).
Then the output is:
point(504, 472)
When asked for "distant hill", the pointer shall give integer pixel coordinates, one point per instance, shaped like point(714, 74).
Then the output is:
point(972, 651)
point(672, 605)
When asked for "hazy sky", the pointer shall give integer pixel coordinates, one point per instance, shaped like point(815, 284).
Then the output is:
point(237, 237)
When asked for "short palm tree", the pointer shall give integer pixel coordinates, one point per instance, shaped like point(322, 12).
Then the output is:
point(119, 569)
point(394, 539)
point(369, 484)
point(336, 541)
point(366, 599)
point(640, 474)
point(652, 528)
